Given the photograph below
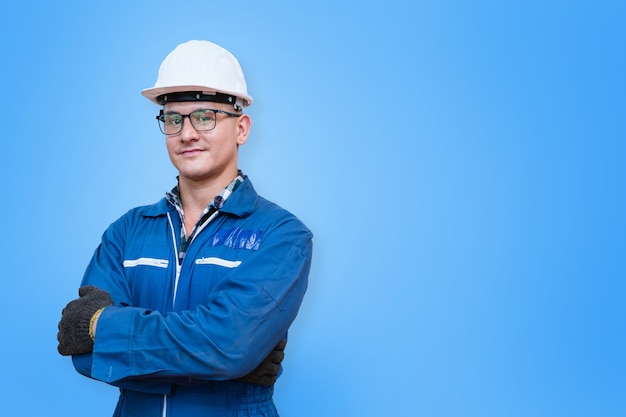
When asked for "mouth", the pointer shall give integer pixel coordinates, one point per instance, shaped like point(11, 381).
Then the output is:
point(190, 152)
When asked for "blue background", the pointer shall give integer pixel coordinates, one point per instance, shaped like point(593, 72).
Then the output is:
point(459, 162)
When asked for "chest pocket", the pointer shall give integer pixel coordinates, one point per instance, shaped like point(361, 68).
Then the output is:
point(149, 273)
point(226, 250)
point(219, 255)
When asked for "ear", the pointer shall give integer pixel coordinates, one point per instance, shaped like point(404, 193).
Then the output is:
point(244, 122)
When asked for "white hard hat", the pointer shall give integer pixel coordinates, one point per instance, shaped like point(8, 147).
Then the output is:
point(200, 70)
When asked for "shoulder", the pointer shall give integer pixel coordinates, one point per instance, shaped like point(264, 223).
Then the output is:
point(279, 224)
point(141, 214)
point(266, 207)
point(249, 207)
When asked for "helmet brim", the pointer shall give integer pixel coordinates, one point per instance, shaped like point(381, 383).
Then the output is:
point(152, 94)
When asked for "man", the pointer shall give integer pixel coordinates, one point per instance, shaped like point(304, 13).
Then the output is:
point(186, 303)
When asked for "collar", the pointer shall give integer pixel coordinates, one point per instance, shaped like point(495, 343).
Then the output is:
point(240, 203)
point(173, 197)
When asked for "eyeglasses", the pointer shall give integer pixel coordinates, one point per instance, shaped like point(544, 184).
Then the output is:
point(201, 120)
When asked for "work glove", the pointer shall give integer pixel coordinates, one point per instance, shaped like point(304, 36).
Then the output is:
point(73, 336)
point(267, 371)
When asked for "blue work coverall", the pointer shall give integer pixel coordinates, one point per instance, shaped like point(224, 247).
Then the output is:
point(178, 335)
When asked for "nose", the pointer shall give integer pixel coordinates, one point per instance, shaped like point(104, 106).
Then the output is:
point(188, 132)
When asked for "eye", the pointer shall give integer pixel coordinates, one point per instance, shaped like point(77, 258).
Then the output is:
point(174, 119)
point(203, 116)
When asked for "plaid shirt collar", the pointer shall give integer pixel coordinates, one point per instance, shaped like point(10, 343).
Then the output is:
point(173, 197)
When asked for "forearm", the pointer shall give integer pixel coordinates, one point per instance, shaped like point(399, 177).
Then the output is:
point(83, 365)
point(135, 343)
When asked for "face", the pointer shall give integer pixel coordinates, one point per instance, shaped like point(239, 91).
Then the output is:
point(207, 157)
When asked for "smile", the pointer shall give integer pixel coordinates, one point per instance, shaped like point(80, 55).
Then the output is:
point(191, 152)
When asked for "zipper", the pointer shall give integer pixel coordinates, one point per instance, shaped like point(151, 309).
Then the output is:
point(179, 267)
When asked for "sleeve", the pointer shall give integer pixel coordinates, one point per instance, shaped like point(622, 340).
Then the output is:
point(247, 314)
point(105, 270)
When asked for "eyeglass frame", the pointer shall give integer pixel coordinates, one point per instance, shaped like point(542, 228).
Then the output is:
point(215, 111)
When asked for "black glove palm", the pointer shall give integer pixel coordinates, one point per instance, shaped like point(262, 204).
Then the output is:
point(73, 333)
point(267, 371)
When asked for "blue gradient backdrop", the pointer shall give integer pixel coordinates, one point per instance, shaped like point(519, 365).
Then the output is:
point(461, 165)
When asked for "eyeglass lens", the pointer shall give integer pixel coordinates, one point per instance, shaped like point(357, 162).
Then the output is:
point(172, 123)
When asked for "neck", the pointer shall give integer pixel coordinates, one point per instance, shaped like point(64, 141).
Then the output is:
point(195, 196)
